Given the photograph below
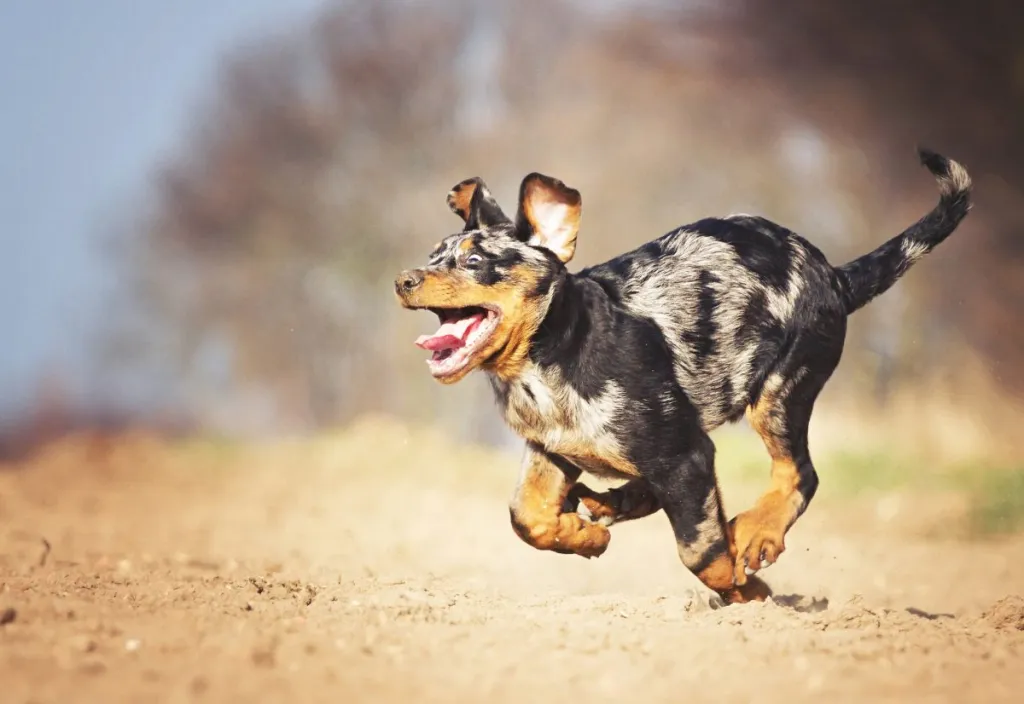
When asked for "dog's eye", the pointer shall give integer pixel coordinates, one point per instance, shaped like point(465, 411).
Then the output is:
point(474, 259)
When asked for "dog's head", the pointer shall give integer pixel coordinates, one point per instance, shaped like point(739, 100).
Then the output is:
point(490, 285)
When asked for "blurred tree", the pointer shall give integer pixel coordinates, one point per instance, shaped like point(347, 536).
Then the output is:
point(271, 229)
point(258, 279)
point(262, 270)
point(950, 75)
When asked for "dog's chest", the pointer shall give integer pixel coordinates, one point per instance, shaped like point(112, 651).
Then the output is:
point(543, 409)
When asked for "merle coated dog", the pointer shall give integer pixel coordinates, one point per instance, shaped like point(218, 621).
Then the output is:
point(622, 370)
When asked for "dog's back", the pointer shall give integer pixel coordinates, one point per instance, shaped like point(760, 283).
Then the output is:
point(731, 295)
point(725, 293)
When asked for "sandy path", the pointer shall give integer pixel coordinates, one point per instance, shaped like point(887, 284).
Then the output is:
point(379, 566)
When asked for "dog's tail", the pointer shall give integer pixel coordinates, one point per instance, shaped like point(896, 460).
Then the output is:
point(873, 274)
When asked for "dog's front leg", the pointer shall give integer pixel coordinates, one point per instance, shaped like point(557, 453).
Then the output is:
point(536, 508)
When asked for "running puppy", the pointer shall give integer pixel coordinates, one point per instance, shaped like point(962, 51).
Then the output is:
point(622, 370)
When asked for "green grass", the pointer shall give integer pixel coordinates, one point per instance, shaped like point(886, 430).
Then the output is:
point(742, 457)
point(995, 494)
point(849, 473)
point(206, 448)
point(997, 500)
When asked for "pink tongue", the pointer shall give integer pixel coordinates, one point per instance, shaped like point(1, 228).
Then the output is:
point(451, 335)
point(438, 342)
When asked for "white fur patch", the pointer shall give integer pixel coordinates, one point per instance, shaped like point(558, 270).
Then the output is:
point(781, 304)
point(555, 230)
point(914, 250)
point(543, 408)
point(958, 180)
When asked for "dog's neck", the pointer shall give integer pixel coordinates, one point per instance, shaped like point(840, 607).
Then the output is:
point(566, 323)
point(579, 311)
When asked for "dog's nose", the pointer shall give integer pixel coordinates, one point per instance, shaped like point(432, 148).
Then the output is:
point(408, 281)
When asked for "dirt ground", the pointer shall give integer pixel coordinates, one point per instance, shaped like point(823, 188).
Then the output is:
point(378, 565)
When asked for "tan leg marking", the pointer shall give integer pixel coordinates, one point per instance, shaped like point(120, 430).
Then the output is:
point(720, 576)
point(536, 510)
point(759, 533)
point(719, 573)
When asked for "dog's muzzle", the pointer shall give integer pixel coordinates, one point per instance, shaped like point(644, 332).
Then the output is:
point(408, 281)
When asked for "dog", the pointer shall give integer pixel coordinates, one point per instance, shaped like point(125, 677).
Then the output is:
point(623, 369)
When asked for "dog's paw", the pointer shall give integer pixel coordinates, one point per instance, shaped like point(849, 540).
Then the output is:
point(703, 599)
point(583, 537)
point(594, 543)
point(759, 543)
point(755, 589)
point(586, 514)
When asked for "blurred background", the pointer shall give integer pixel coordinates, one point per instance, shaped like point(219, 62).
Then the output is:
point(205, 204)
point(226, 473)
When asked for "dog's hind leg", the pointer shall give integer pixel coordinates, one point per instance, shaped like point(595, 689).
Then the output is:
point(537, 505)
point(781, 416)
point(688, 491)
point(634, 499)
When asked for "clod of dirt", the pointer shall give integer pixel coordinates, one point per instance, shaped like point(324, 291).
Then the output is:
point(310, 595)
point(83, 644)
point(801, 603)
point(264, 657)
point(93, 667)
point(7, 616)
point(1007, 613)
point(856, 614)
point(199, 686)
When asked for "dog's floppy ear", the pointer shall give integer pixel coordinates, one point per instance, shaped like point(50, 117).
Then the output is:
point(549, 215)
point(472, 202)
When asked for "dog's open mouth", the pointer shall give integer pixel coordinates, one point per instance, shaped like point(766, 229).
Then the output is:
point(463, 332)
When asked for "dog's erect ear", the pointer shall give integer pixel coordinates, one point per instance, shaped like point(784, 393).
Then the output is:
point(472, 202)
point(549, 215)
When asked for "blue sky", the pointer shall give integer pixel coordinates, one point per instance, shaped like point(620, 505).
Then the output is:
point(93, 94)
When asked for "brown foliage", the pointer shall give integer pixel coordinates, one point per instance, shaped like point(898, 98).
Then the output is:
point(948, 74)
